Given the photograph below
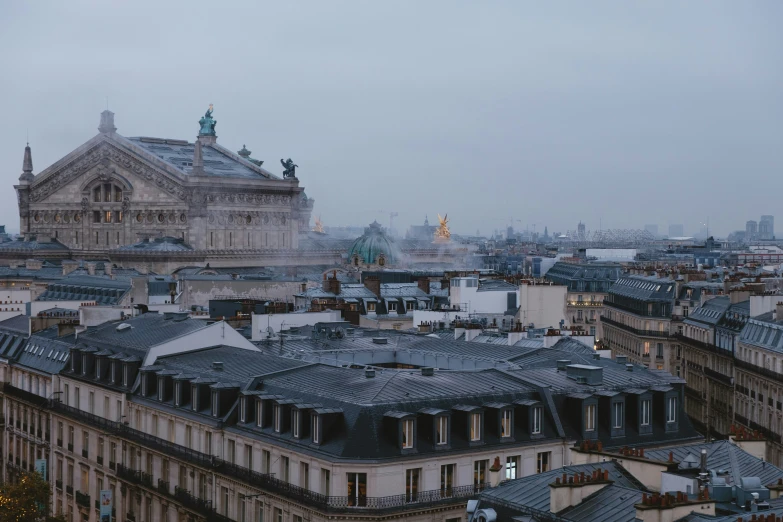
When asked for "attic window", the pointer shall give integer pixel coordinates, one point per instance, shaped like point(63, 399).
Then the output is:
point(194, 397)
point(215, 403)
point(475, 427)
point(442, 430)
point(277, 420)
point(537, 417)
point(295, 422)
point(506, 422)
point(316, 420)
point(243, 409)
point(260, 414)
point(177, 393)
point(407, 433)
point(125, 374)
point(161, 389)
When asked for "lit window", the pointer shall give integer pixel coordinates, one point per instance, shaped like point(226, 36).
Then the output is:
point(590, 417)
point(505, 423)
point(407, 434)
point(475, 427)
point(443, 430)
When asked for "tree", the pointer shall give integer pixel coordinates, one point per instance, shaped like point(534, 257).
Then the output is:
point(28, 500)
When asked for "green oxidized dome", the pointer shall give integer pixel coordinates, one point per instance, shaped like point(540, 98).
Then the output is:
point(373, 243)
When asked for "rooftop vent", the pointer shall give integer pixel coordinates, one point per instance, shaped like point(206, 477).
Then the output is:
point(585, 374)
point(180, 316)
point(427, 371)
point(369, 373)
point(562, 363)
point(123, 327)
point(380, 340)
point(620, 359)
point(168, 316)
point(217, 366)
point(629, 367)
point(596, 356)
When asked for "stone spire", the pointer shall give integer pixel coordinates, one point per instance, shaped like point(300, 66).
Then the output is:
point(107, 123)
point(198, 160)
point(27, 165)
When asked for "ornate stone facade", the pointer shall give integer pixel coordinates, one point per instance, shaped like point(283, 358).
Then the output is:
point(113, 191)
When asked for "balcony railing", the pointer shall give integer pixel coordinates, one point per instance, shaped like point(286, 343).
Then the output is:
point(766, 372)
point(134, 475)
point(637, 331)
point(69, 490)
point(163, 486)
point(25, 395)
point(83, 499)
point(700, 344)
point(262, 481)
point(724, 379)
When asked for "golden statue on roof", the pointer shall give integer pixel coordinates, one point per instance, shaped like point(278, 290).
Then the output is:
point(442, 233)
point(319, 226)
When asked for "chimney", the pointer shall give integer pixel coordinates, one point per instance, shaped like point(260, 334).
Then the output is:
point(472, 333)
point(424, 285)
point(572, 490)
point(107, 269)
point(655, 507)
point(373, 284)
point(107, 123)
point(91, 268)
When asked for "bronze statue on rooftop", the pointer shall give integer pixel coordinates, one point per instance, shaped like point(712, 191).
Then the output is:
point(289, 168)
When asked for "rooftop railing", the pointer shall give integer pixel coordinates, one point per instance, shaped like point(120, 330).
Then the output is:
point(637, 331)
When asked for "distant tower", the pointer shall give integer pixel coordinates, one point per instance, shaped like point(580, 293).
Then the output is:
point(767, 227)
point(23, 190)
point(751, 230)
point(580, 231)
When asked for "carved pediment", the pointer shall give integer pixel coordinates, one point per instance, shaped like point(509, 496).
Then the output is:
point(106, 158)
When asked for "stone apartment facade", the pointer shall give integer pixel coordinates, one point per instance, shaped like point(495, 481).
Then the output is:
point(184, 421)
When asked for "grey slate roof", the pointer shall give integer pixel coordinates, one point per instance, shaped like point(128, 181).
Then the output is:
point(33, 245)
point(710, 313)
point(103, 290)
point(218, 161)
point(644, 288)
point(146, 330)
point(763, 332)
point(45, 353)
point(533, 491)
point(612, 503)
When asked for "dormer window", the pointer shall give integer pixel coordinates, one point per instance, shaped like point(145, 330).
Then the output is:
point(144, 384)
point(97, 369)
point(194, 397)
point(617, 415)
point(537, 417)
point(260, 414)
point(277, 420)
point(646, 406)
point(178, 393)
point(113, 372)
point(407, 434)
point(295, 421)
point(125, 374)
point(74, 365)
point(161, 389)
point(215, 403)
point(442, 430)
point(506, 422)
point(84, 364)
point(243, 409)
point(590, 417)
point(671, 410)
point(316, 420)
point(475, 427)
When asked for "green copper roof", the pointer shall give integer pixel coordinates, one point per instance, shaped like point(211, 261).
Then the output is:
point(373, 243)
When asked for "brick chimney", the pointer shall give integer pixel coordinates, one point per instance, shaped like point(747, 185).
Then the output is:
point(673, 506)
point(373, 284)
point(571, 490)
point(331, 284)
point(424, 285)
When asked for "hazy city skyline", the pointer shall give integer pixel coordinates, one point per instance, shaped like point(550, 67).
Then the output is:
point(617, 115)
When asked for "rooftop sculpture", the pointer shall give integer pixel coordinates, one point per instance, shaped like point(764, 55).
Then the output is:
point(442, 234)
point(289, 168)
point(207, 123)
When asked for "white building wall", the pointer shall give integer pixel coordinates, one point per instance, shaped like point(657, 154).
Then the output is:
point(216, 334)
point(541, 305)
point(283, 322)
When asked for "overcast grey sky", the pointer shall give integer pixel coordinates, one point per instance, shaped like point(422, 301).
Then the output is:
point(544, 112)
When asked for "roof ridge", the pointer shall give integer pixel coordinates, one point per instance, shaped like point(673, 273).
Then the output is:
point(395, 374)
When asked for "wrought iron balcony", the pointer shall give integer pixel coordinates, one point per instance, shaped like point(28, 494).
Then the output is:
point(636, 331)
point(25, 395)
point(83, 499)
point(262, 481)
point(163, 486)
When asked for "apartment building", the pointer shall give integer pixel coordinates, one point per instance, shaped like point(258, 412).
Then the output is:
point(706, 347)
point(183, 431)
point(587, 286)
point(759, 379)
point(642, 315)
